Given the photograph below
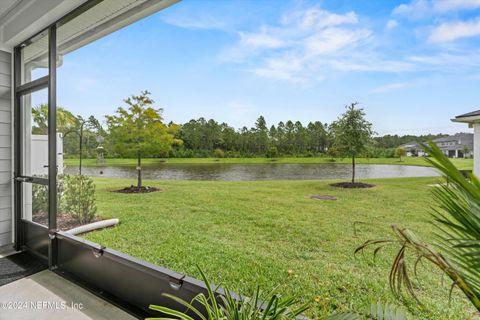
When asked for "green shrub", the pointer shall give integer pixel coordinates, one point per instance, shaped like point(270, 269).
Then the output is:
point(79, 197)
point(39, 198)
point(40, 195)
point(218, 153)
point(272, 152)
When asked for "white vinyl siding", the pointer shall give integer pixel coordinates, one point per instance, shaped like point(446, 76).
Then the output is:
point(5, 149)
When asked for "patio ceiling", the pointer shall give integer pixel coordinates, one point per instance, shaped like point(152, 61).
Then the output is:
point(102, 18)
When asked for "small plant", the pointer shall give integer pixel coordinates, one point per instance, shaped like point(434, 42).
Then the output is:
point(39, 198)
point(400, 152)
point(272, 152)
point(79, 198)
point(218, 153)
point(263, 305)
point(226, 306)
point(40, 195)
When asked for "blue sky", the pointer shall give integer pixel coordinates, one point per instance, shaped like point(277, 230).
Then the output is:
point(412, 65)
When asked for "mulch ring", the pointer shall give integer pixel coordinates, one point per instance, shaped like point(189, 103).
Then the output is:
point(64, 221)
point(135, 189)
point(322, 197)
point(350, 185)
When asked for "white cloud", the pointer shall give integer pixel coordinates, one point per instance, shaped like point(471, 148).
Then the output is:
point(390, 87)
point(300, 45)
point(260, 40)
point(332, 40)
point(316, 18)
point(455, 5)
point(391, 24)
point(198, 21)
point(286, 68)
point(451, 31)
point(416, 9)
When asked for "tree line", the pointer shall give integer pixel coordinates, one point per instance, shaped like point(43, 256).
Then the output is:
point(204, 137)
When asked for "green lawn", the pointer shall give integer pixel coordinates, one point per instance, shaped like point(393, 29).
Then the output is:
point(461, 163)
point(248, 233)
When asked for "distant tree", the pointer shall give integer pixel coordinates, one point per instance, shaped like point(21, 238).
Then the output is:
point(261, 135)
point(400, 152)
point(65, 119)
point(138, 130)
point(352, 133)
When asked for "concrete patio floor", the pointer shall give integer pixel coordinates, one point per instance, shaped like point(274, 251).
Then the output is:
point(46, 295)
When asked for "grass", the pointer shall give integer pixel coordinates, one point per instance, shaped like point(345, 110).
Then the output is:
point(270, 233)
point(466, 164)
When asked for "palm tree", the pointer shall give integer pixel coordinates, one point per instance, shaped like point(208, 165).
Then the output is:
point(457, 218)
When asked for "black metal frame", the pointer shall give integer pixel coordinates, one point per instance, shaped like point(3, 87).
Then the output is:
point(125, 281)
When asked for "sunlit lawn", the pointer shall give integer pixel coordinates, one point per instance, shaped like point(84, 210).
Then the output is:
point(461, 163)
point(248, 233)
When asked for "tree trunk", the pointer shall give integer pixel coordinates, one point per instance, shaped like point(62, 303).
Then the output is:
point(353, 169)
point(139, 170)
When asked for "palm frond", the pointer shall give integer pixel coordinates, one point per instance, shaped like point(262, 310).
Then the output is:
point(226, 305)
point(457, 219)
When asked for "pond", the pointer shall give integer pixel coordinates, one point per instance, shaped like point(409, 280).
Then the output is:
point(251, 172)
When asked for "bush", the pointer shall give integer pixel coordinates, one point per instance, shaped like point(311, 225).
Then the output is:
point(272, 152)
point(79, 198)
point(218, 153)
point(39, 198)
point(40, 195)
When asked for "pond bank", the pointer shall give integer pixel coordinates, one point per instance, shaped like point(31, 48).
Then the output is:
point(464, 164)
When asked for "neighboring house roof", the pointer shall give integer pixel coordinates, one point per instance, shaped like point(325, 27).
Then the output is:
point(458, 141)
point(469, 114)
point(410, 145)
point(470, 117)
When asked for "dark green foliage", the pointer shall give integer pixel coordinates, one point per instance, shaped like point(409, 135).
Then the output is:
point(201, 137)
point(226, 307)
point(138, 131)
point(40, 195)
point(79, 197)
point(39, 198)
point(352, 134)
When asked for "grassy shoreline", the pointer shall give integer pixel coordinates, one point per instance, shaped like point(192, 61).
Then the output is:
point(464, 164)
point(268, 233)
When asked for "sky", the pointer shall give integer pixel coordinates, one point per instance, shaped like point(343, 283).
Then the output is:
point(412, 65)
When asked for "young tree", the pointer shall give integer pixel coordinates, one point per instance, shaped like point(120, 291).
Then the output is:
point(138, 131)
point(352, 133)
point(400, 152)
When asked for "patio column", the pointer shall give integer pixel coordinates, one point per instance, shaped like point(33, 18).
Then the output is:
point(476, 149)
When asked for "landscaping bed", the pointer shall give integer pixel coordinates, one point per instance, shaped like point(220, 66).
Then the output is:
point(65, 222)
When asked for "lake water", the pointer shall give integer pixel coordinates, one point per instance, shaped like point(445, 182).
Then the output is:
point(250, 172)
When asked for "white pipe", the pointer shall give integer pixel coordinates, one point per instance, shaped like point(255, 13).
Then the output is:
point(94, 226)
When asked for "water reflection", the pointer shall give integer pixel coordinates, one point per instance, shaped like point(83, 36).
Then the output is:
point(251, 172)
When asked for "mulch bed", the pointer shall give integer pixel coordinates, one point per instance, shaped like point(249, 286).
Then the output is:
point(350, 185)
point(64, 221)
point(134, 189)
point(322, 197)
